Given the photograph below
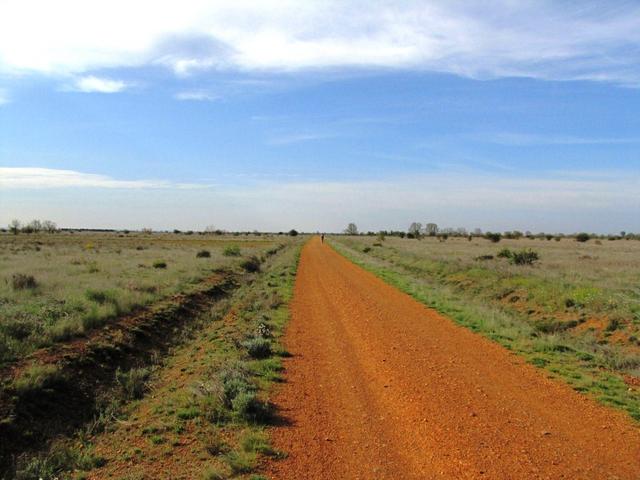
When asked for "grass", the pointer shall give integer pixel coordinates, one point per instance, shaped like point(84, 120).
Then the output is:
point(56, 286)
point(524, 308)
point(210, 393)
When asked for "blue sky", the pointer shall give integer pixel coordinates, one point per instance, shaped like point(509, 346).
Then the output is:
point(499, 115)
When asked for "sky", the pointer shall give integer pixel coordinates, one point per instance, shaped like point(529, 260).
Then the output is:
point(273, 115)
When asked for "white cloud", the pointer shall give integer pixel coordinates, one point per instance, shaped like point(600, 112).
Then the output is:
point(92, 83)
point(196, 95)
point(542, 39)
point(291, 138)
point(557, 201)
point(4, 97)
point(37, 178)
point(531, 139)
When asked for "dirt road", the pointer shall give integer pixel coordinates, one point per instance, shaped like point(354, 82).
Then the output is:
point(380, 387)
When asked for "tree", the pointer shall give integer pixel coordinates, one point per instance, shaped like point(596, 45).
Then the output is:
point(431, 229)
point(14, 226)
point(415, 229)
point(49, 226)
point(351, 229)
point(293, 232)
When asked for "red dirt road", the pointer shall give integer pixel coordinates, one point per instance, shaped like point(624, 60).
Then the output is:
point(381, 387)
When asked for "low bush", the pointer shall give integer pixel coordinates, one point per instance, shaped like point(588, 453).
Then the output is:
point(159, 264)
point(251, 264)
point(583, 237)
point(258, 347)
point(203, 254)
point(101, 296)
point(231, 251)
point(484, 257)
point(505, 253)
point(248, 407)
point(366, 249)
point(524, 257)
point(494, 237)
point(20, 281)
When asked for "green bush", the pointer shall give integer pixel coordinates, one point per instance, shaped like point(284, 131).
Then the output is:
point(203, 254)
point(258, 347)
point(293, 232)
point(494, 237)
point(366, 249)
point(159, 264)
point(505, 253)
point(35, 378)
point(231, 251)
point(583, 237)
point(247, 406)
point(524, 257)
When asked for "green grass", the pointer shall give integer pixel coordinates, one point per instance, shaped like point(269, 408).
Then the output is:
point(467, 294)
point(56, 286)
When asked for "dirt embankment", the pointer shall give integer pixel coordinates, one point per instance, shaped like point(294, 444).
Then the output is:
point(380, 386)
point(85, 369)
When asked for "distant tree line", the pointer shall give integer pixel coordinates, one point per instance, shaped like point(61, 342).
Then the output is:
point(34, 226)
point(416, 230)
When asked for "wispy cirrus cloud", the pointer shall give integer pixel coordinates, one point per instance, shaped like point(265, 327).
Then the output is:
point(93, 84)
point(37, 178)
point(196, 95)
point(481, 39)
point(291, 138)
point(532, 139)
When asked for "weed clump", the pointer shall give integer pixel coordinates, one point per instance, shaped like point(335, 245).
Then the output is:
point(133, 384)
point(36, 378)
point(20, 281)
point(366, 249)
point(258, 348)
point(505, 253)
point(203, 254)
point(159, 264)
point(101, 296)
point(231, 251)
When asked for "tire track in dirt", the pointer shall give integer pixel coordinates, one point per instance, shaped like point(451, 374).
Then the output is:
point(379, 386)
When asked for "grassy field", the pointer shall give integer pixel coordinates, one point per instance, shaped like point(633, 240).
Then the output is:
point(56, 286)
point(575, 311)
point(199, 407)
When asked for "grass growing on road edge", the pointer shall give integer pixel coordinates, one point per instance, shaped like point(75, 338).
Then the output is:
point(206, 407)
point(581, 362)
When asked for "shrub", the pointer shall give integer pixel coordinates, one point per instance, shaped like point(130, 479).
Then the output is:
point(203, 254)
point(240, 462)
point(231, 251)
point(159, 264)
point(213, 474)
point(484, 257)
point(251, 264)
point(258, 348)
point(366, 249)
point(100, 296)
point(20, 281)
point(524, 257)
point(505, 253)
point(583, 237)
point(494, 237)
point(133, 383)
point(248, 407)
point(293, 233)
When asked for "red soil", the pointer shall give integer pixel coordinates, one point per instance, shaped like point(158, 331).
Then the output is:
point(379, 386)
